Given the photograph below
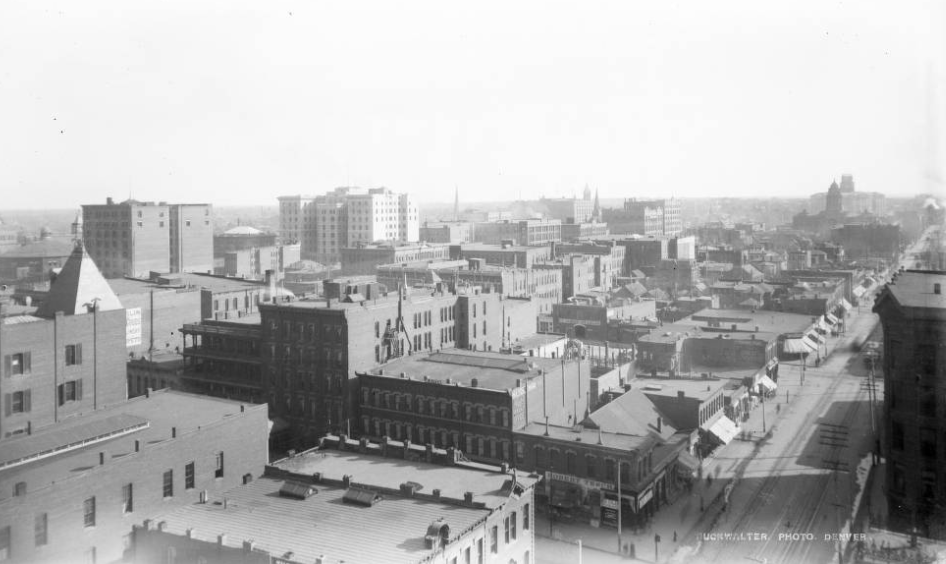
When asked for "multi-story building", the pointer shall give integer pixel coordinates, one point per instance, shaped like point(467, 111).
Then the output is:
point(449, 232)
point(191, 231)
point(506, 254)
point(569, 210)
point(68, 358)
point(912, 310)
point(242, 237)
point(73, 491)
point(255, 262)
point(134, 238)
point(469, 400)
point(435, 508)
point(155, 313)
point(647, 217)
point(578, 273)
point(608, 259)
point(525, 232)
point(364, 258)
point(222, 359)
point(577, 231)
point(344, 217)
point(32, 262)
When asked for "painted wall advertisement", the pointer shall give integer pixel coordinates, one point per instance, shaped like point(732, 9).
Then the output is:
point(132, 327)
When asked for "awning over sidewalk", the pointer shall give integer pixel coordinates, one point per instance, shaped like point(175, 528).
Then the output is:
point(814, 336)
point(831, 319)
point(688, 463)
point(768, 384)
point(821, 325)
point(798, 346)
point(859, 291)
point(724, 429)
point(845, 305)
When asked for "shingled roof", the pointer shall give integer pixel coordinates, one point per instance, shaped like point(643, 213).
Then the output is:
point(79, 283)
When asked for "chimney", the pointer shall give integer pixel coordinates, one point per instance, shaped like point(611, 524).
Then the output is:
point(436, 493)
point(248, 545)
point(221, 539)
point(162, 525)
point(468, 497)
point(474, 383)
point(190, 533)
point(681, 394)
point(346, 480)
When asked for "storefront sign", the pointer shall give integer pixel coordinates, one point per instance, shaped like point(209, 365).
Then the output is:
point(583, 482)
point(644, 498)
point(578, 321)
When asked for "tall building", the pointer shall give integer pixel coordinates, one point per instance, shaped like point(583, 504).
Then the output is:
point(912, 310)
point(345, 216)
point(833, 203)
point(647, 217)
point(133, 238)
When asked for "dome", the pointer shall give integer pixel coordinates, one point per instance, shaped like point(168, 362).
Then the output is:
point(243, 230)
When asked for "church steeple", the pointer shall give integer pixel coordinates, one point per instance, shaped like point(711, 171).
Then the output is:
point(596, 213)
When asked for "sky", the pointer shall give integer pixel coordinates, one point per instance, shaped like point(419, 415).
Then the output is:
point(236, 103)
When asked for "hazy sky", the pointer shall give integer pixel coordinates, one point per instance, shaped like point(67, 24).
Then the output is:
point(237, 103)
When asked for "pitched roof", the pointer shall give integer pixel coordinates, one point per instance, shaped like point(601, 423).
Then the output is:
point(632, 413)
point(78, 283)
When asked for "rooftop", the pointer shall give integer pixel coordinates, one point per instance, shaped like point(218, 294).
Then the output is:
point(632, 413)
point(391, 531)
point(767, 321)
point(77, 286)
point(43, 248)
point(915, 289)
point(698, 388)
point(216, 283)
point(494, 371)
point(61, 451)
point(467, 247)
point(484, 481)
point(588, 435)
point(538, 340)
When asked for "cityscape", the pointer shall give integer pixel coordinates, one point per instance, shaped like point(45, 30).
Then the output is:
point(458, 360)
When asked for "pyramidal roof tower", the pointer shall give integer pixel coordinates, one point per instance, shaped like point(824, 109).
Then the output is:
point(78, 285)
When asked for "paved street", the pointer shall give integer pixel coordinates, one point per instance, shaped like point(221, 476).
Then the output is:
point(799, 479)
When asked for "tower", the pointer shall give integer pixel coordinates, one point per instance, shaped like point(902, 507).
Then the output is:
point(833, 203)
point(596, 212)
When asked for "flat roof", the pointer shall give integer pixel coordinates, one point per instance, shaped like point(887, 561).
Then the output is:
point(698, 388)
point(493, 371)
point(483, 480)
point(162, 411)
point(777, 322)
point(914, 288)
point(415, 296)
point(538, 340)
point(588, 435)
point(464, 247)
point(390, 531)
point(217, 283)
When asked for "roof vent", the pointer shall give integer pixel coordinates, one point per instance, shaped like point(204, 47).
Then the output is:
point(438, 534)
point(297, 490)
point(361, 496)
point(474, 383)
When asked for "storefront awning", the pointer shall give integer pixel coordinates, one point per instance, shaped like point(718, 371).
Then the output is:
point(816, 338)
point(859, 291)
point(845, 305)
point(821, 324)
point(689, 463)
point(832, 320)
point(768, 384)
point(798, 346)
point(724, 429)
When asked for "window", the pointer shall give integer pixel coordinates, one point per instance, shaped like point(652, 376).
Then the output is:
point(40, 536)
point(70, 391)
point(467, 557)
point(218, 468)
point(525, 517)
point(168, 490)
point(494, 539)
point(128, 498)
point(187, 223)
point(73, 354)
point(18, 402)
point(5, 553)
point(19, 489)
point(16, 364)
point(189, 476)
point(479, 551)
point(88, 512)
point(506, 528)
point(512, 523)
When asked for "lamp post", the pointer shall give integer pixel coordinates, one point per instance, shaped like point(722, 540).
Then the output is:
point(93, 305)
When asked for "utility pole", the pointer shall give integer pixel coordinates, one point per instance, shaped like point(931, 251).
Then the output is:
point(620, 506)
point(762, 398)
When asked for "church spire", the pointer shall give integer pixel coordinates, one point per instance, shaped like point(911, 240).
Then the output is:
point(596, 213)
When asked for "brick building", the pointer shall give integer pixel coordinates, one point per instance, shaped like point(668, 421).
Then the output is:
point(912, 310)
point(224, 359)
point(365, 258)
point(505, 254)
point(357, 502)
point(525, 232)
point(448, 232)
point(608, 260)
point(120, 465)
point(68, 358)
point(472, 401)
point(133, 238)
point(156, 312)
point(33, 262)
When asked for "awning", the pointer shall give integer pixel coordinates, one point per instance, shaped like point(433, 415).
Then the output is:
point(832, 320)
point(821, 325)
point(859, 291)
point(724, 429)
point(767, 383)
point(845, 305)
point(689, 462)
point(798, 346)
point(816, 338)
